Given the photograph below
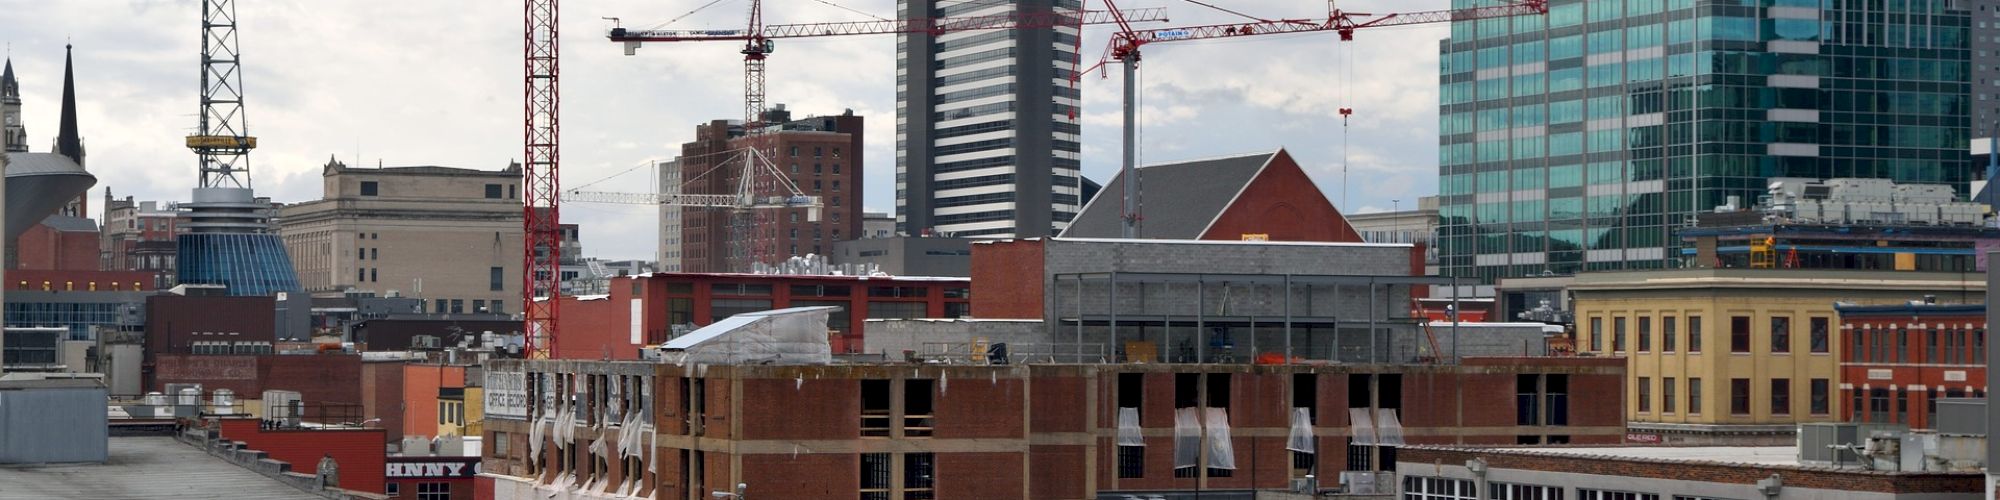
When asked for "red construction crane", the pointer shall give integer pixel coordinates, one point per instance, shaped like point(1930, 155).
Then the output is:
point(1126, 43)
point(758, 44)
point(541, 262)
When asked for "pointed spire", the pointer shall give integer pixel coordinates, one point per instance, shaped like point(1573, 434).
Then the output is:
point(9, 87)
point(67, 141)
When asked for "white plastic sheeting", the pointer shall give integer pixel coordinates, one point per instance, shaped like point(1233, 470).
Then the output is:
point(783, 336)
point(1221, 451)
point(1128, 428)
point(1301, 437)
point(1361, 423)
point(1388, 429)
point(1187, 437)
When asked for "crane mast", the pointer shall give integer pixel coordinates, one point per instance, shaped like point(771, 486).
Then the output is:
point(541, 211)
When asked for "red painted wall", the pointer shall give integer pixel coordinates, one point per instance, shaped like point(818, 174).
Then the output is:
point(1284, 203)
point(359, 452)
point(1913, 376)
point(1007, 279)
point(420, 395)
point(319, 379)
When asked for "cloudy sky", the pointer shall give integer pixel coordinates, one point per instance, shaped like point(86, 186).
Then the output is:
point(400, 82)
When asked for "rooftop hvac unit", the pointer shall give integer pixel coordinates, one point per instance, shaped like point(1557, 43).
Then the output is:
point(223, 402)
point(416, 446)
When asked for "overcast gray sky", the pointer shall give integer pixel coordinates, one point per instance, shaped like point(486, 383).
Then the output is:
point(431, 82)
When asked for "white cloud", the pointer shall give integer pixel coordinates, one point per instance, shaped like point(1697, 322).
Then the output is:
point(438, 83)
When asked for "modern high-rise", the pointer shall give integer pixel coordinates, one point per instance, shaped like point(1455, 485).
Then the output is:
point(1985, 70)
point(1580, 140)
point(987, 135)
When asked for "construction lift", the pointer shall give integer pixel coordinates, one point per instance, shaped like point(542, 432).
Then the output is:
point(1126, 43)
point(758, 43)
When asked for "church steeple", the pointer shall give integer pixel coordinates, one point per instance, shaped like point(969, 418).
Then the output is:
point(14, 134)
point(68, 143)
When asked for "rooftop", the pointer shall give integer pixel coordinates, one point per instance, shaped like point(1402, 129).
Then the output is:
point(1742, 455)
point(145, 467)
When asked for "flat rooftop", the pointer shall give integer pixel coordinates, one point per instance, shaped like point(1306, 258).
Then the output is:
point(144, 467)
point(1746, 455)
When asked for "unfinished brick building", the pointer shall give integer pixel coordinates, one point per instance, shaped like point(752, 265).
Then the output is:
point(657, 430)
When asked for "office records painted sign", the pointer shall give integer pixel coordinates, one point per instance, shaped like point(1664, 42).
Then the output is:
point(507, 395)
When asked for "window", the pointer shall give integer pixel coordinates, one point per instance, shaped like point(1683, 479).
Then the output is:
point(1645, 394)
point(875, 411)
point(1668, 334)
point(1131, 462)
point(919, 476)
point(1694, 334)
point(493, 191)
point(1645, 334)
point(1526, 395)
point(374, 254)
point(874, 471)
point(1438, 488)
point(1694, 394)
point(1596, 331)
point(374, 275)
point(1781, 334)
point(1618, 334)
point(1820, 388)
point(368, 188)
point(496, 278)
point(1781, 396)
point(1739, 396)
point(394, 489)
point(457, 306)
point(433, 491)
point(1584, 494)
point(1819, 331)
point(917, 407)
point(1667, 395)
point(1505, 491)
point(1739, 334)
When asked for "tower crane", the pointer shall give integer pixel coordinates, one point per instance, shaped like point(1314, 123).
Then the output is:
point(1126, 43)
point(541, 269)
point(758, 40)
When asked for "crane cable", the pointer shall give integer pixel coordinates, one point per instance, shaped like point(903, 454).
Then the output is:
point(1346, 69)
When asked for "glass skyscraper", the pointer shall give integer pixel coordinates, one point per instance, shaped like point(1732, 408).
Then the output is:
point(1580, 140)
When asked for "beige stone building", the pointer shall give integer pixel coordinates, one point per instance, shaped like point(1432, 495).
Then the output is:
point(448, 236)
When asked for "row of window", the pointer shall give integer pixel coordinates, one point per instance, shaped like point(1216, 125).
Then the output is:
point(1779, 332)
point(457, 306)
point(1939, 344)
point(1740, 397)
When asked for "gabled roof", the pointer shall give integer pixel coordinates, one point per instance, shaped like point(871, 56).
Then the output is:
point(1178, 200)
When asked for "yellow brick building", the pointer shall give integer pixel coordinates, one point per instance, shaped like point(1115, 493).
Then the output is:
point(1736, 355)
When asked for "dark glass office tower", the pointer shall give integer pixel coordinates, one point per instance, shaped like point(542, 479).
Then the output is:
point(1580, 140)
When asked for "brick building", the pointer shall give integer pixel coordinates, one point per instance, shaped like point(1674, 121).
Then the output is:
point(357, 451)
point(1261, 196)
point(140, 236)
point(58, 243)
point(603, 327)
point(1079, 430)
point(823, 157)
point(322, 379)
point(1900, 359)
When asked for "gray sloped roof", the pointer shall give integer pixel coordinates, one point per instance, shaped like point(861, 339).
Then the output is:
point(61, 222)
point(1177, 200)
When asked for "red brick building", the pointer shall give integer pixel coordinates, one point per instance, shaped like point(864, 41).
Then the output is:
point(823, 157)
point(984, 431)
point(1263, 196)
point(605, 327)
point(58, 243)
point(1898, 360)
point(319, 379)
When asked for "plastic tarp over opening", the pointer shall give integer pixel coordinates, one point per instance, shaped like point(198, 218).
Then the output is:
point(1128, 428)
point(793, 336)
point(1187, 437)
point(1221, 451)
point(1301, 437)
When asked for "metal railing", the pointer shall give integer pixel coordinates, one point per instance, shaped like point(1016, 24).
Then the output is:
point(976, 353)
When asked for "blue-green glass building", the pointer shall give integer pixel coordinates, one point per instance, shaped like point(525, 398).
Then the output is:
point(1580, 140)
